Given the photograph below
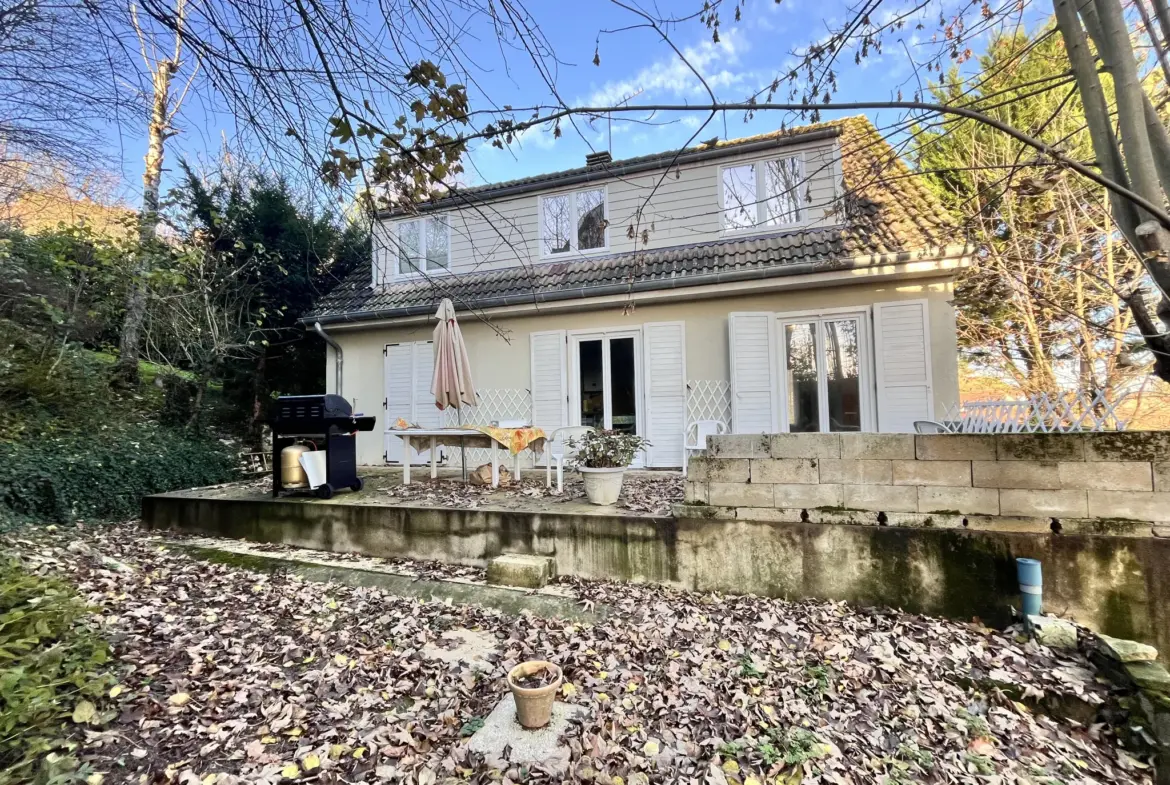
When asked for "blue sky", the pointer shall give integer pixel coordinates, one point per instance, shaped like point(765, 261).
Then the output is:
point(748, 57)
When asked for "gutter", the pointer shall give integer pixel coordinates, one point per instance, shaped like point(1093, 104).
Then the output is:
point(618, 170)
point(658, 284)
point(339, 355)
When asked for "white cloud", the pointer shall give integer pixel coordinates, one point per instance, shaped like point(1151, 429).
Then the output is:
point(717, 62)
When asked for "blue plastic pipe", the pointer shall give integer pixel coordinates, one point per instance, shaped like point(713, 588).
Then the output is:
point(1031, 585)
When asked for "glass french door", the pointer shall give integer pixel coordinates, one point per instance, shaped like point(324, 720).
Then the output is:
point(606, 390)
point(825, 383)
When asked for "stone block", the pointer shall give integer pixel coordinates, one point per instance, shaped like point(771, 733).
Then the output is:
point(1106, 476)
point(854, 472)
point(1055, 504)
point(805, 445)
point(1161, 476)
point(804, 496)
point(695, 492)
point(517, 569)
point(1127, 446)
point(880, 498)
point(1039, 475)
point(950, 473)
point(878, 446)
point(1121, 650)
point(768, 514)
point(1133, 505)
point(738, 445)
point(941, 499)
point(702, 512)
point(1149, 676)
point(728, 470)
point(740, 494)
point(954, 447)
point(1053, 632)
point(502, 740)
point(697, 468)
point(1040, 447)
point(789, 470)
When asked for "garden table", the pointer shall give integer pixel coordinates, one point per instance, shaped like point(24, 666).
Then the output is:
point(515, 440)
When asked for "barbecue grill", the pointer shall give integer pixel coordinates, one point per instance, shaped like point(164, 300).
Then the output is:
point(319, 417)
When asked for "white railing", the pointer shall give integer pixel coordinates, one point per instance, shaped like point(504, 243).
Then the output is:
point(1042, 413)
point(709, 399)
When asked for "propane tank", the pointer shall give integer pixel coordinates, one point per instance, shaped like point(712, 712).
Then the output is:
point(292, 475)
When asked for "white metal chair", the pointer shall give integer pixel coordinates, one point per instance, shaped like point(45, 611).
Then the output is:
point(695, 437)
point(557, 450)
point(929, 426)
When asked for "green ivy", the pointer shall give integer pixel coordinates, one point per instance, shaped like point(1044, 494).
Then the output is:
point(53, 673)
point(105, 474)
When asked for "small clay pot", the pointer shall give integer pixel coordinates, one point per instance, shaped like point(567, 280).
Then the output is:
point(534, 706)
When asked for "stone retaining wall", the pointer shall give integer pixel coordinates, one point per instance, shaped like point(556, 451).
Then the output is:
point(1116, 483)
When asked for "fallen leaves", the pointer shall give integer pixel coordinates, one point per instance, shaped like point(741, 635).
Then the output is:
point(230, 676)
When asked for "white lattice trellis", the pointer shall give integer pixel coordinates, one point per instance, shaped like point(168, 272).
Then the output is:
point(709, 399)
point(1042, 413)
point(498, 404)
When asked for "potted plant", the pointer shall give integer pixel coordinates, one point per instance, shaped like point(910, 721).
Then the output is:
point(534, 685)
point(602, 459)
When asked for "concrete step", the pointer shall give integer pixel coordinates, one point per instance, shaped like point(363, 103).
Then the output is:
point(518, 569)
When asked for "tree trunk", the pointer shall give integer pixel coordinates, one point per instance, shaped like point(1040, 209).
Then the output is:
point(126, 369)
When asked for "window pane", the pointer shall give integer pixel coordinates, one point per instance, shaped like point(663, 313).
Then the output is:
point(437, 243)
point(592, 372)
point(800, 345)
point(739, 197)
point(556, 223)
point(623, 396)
point(408, 246)
point(843, 372)
point(590, 219)
point(782, 184)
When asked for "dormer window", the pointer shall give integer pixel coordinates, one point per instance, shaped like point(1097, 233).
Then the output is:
point(762, 194)
point(574, 221)
point(422, 245)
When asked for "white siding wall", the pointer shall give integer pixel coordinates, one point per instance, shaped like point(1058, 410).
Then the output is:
point(684, 209)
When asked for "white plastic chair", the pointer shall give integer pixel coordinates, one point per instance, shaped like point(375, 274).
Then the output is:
point(695, 437)
point(557, 450)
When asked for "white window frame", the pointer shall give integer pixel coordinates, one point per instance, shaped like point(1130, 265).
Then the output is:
point(867, 381)
point(573, 249)
point(761, 203)
point(396, 272)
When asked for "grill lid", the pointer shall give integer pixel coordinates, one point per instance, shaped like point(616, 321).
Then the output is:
point(301, 408)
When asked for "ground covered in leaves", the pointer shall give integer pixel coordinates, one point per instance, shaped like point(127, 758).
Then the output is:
point(226, 675)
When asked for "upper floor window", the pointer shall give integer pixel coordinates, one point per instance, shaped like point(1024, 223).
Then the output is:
point(764, 193)
point(573, 222)
point(423, 245)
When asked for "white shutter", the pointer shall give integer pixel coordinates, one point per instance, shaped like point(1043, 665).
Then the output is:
point(399, 374)
point(380, 243)
point(753, 372)
point(666, 391)
point(902, 365)
point(426, 413)
point(549, 386)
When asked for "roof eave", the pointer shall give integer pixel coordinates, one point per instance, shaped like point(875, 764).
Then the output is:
point(702, 279)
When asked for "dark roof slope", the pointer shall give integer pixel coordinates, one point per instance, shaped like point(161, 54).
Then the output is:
point(885, 210)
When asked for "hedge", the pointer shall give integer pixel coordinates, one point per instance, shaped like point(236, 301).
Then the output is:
point(105, 475)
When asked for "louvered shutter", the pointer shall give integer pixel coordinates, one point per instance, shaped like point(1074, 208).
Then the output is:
point(549, 385)
point(399, 380)
point(666, 391)
point(753, 372)
point(902, 365)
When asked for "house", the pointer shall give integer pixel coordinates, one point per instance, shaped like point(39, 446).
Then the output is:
point(795, 281)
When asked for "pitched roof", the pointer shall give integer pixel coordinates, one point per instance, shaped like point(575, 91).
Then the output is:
point(885, 211)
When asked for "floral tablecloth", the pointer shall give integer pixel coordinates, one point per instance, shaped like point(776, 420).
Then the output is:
point(515, 440)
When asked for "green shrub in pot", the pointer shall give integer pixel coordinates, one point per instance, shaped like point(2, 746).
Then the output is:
point(602, 458)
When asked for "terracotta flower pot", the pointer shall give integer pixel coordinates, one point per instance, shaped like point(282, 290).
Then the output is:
point(534, 705)
point(602, 486)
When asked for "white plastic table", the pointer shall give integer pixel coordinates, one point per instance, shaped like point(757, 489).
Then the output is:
point(434, 434)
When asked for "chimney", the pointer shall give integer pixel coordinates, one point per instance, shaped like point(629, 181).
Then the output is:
point(598, 160)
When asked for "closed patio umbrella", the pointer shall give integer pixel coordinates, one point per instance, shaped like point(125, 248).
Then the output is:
point(451, 383)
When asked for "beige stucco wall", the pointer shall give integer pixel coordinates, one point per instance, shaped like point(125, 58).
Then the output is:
point(500, 351)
